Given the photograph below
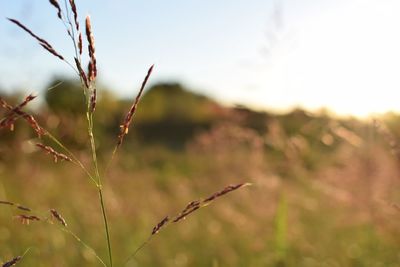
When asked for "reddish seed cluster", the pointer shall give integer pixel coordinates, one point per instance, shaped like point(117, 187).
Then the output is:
point(75, 12)
point(92, 50)
point(56, 155)
point(15, 112)
point(128, 118)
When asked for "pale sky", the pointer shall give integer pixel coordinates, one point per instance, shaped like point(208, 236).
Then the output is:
point(271, 54)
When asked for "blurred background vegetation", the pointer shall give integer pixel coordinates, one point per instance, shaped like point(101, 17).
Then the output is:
point(325, 190)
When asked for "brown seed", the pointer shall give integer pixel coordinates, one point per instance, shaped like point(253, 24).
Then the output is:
point(6, 203)
point(157, 228)
point(12, 262)
point(23, 208)
point(224, 191)
point(183, 215)
point(93, 98)
point(58, 217)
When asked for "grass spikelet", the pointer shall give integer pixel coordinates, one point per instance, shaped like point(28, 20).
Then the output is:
point(46, 45)
point(195, 205)
point(92, 50)
point(128, 118)
point(26, 219)
point(57, 6)
point(18, 206)
point(52, 51)
point(224, 191)
point(82, 73)
point(6, 203)
point(58, 217)
point(93, 100)
point(162, 223)
point(189, 209)
point(56, 155)
point(75, 12)
point(23, 208)
point(80, 44)
point(12, 262)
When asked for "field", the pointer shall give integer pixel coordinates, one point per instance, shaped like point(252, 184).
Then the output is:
point(175, 178)
point(324, 190)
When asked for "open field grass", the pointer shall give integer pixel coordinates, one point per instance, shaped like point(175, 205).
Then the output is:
point(324, 193)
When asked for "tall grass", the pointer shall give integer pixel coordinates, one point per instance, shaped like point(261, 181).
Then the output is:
point(67, 14)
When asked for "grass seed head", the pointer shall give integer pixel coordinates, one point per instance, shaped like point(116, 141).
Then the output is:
point(75, 12)
point(57, 6)
point(58, 217)
point(56, 155)
point(92, 50)
point(12, 262)
point(160, 225)
point(46, 45)
point(26, 219)
point(128, 118)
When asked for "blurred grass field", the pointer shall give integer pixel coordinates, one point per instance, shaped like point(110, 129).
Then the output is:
point(325, 190)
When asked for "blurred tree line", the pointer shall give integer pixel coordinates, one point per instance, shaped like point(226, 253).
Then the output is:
point(170, 115)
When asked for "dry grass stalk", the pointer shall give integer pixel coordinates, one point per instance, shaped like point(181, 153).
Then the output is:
point(58, 217)
point(57, 6)
point(12, 262)
point(26, 219)
point(157, 228)
point(128, 118)
point(56, 155)
point(41, 41)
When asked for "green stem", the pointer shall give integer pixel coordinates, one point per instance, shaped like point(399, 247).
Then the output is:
point(106, 226)
point(99, 187)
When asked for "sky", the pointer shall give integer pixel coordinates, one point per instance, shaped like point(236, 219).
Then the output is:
point(343, 55)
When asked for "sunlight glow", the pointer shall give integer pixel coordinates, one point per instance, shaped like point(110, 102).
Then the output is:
point(345, 57)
